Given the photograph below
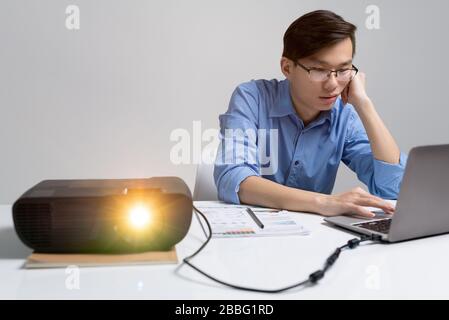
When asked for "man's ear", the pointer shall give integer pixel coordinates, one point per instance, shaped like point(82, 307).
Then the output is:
point(286, 66)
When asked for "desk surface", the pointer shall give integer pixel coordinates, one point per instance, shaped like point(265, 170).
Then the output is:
point(413, 269)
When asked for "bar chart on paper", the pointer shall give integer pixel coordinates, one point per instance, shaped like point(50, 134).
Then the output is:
point(234, 221)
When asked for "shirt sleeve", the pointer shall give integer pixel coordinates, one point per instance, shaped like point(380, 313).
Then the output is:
point(382, 179)
point(237, 153)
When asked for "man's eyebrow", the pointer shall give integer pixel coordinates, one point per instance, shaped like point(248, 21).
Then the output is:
point(328, 64)
point(346, 63)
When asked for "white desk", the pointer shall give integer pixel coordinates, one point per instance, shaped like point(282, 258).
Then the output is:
point(414, 269)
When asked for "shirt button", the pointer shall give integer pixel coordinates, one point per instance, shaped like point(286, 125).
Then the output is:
point(296, 162)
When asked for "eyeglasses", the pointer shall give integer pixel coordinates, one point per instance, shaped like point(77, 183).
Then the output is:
point(320, 75)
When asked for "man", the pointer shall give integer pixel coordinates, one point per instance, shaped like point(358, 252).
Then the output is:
point(322, 115)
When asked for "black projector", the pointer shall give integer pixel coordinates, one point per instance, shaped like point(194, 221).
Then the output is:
point(104, 216)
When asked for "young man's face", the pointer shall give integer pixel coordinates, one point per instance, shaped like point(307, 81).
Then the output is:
point(318, 95)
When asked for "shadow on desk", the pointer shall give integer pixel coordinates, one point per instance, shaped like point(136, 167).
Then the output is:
point(351, 232)
point(10, 245)
point(335, 227)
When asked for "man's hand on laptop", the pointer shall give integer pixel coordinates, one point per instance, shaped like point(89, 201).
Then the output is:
point(352, 203)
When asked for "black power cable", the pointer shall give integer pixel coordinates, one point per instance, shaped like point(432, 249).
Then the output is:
point(311, 280)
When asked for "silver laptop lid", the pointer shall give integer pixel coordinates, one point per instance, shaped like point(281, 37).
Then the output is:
point(423, 204)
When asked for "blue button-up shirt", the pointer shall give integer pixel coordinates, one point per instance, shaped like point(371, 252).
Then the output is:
point(303, 157)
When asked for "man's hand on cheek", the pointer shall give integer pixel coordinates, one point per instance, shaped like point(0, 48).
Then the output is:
point(355, 93)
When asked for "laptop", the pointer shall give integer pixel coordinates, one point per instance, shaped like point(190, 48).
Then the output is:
point(422, 208)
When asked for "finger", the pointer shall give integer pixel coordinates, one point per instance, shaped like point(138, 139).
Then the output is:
point(343, 96)
point(389, 211)
point(347, 90)
point(373, 201)
point(360, 211)
point(363, 77)
point(388, 206)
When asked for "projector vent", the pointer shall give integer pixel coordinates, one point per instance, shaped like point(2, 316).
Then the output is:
point(33, 223)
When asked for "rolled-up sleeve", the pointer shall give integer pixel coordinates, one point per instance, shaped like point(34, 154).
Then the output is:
point(237, 153)
point(382, 179)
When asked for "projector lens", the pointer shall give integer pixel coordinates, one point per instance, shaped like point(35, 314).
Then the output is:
point(139, 217)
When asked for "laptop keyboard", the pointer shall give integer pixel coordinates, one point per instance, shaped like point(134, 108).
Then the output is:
point(382, 226)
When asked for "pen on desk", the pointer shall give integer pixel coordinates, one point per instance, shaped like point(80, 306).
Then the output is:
point(254, 217)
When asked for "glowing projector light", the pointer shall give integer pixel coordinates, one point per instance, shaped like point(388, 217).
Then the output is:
point(139, 217)
point(104, 215)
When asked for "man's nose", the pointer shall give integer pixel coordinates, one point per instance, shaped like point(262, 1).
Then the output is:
point(331, 82)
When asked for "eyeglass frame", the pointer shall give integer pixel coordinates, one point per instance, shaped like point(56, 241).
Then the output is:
point(354, 68)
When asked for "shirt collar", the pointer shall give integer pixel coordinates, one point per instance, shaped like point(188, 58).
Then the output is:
point(285, 106)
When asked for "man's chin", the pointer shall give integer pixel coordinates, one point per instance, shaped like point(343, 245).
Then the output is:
point(324, 107)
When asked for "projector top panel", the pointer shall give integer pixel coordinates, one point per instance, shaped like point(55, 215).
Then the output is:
point(88, 188)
